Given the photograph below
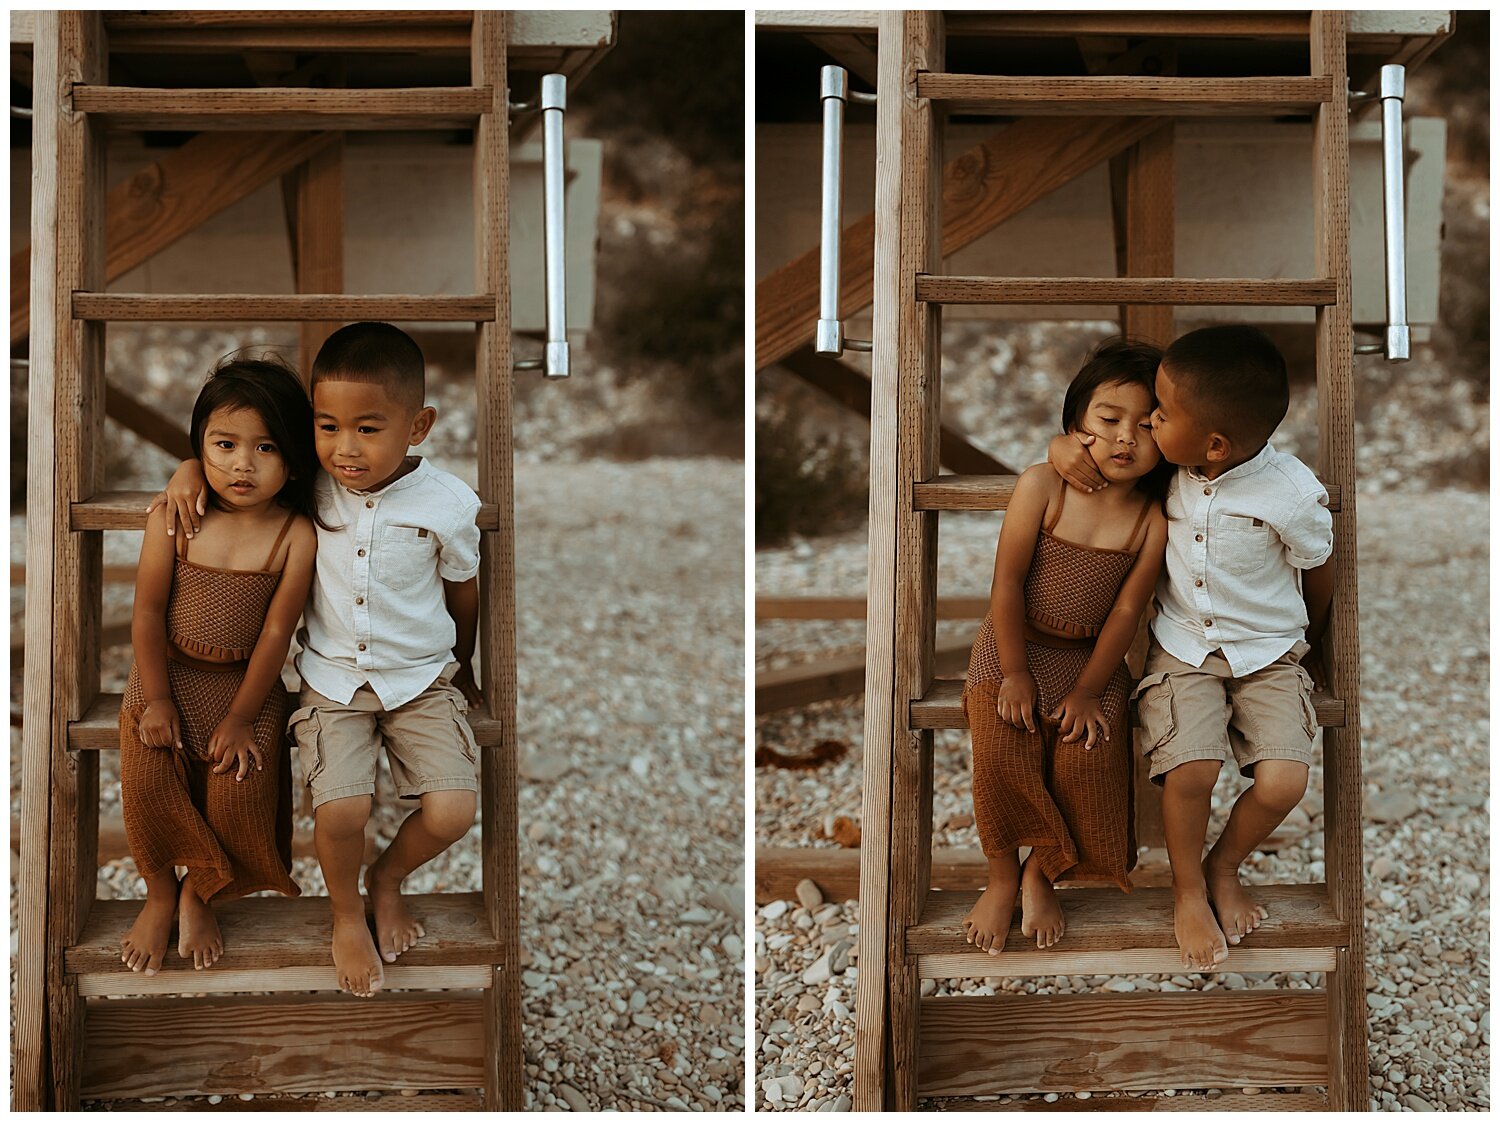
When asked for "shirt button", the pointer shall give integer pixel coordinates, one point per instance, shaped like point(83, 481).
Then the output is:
point(361, 599)
point(362, 552)
point(1196, 538)
point(361, 646)
point(1206, 491)
point(1196, 584)
point(1206, 623)
point(371, 502)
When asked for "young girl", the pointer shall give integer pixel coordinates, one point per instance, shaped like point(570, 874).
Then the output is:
point(203, 762)
point(1047, 688)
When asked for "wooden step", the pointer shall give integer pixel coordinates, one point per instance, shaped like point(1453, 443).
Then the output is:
point(1027, 1043)
point(205, 110)
point(993, 492)
point(1177, 291)
point(1232, 1102)
point(126, 510)
point(995, 95)
point(122, 307)
point(942, 708)
point(274, 944)
point(99, 730)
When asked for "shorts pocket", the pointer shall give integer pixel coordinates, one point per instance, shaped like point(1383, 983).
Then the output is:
point(1154, 705)
point(466, 739)
point(1309, 714)
point(306, 727)
point(1241, 544)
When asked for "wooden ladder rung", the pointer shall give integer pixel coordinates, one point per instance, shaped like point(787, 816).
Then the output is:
point(273, 944)
point(1178, 291)
point(1230, 1102)
point(942, 707)
point(199, 110)
point(995, 95)
point(99, 730)
point(126, 510)
point(993, 492)
point(121, 307)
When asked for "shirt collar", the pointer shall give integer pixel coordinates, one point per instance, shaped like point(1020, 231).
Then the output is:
point(406, 480)
point(1249, 467)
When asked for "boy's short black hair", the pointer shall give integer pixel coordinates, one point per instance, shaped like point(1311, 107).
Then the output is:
point(1233, 379)
point(377, 353)
point(1118, 361)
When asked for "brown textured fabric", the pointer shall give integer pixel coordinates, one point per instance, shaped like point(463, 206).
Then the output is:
point(1072, 805)
point(233, 837)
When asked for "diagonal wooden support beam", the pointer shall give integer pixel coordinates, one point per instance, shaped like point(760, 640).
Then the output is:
point(159, 204)
point(981, 188)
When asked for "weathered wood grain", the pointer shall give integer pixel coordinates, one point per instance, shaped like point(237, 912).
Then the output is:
point(250, 308)
point(1124, 290)
point(200, 110)
point(286, 979)
point(1033, 963)
point(1178, 97)
point(828, 678)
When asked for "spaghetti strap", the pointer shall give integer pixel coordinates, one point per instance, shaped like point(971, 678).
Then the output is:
point(1061, 498)
point(182, 543)
point(1139, 522)
point(285, 526)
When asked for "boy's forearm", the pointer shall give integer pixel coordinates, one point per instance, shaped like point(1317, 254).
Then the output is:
point(462, 598)
point(1317, 594)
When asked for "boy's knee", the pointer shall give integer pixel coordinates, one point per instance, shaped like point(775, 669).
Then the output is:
point(1194, 779)
point(1280, 784)
point(448, 814)
point(342, 817)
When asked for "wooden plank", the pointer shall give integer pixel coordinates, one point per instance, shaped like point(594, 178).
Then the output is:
point(301, 1044)
point(993, 492)
point(1343, 781)
point(828, 678)
point(779, 869)
point(99, 730)
point(856, 53)
point(1102, 919)
point(851, 389)
point(141, 419)
point(118, 307)
point(497, 577)
point(204, 110)
point(287, 979)
point(1274, 1101)
point(126, 510)
point(1289, 24)
point(1124, 290)
point(318, 225)
point(407, 40)
point(179, 192)
point(190, 19)
point(1166, 96)
point(1150, 230)
point(941, 708)
point(857, 607)
point(1122, 1042)
point(1059, 960)
point(981, 188)
point(428, 1102)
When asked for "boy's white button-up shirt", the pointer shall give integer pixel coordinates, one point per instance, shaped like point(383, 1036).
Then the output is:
point(377, 613)
point(1234, 548)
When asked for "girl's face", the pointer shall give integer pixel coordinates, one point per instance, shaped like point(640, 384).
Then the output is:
point(1119, 415)
point(241, 461)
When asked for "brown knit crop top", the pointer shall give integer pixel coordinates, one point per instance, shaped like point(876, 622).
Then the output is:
point(216, 615)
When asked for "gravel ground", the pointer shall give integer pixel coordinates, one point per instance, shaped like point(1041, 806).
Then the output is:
point(631, 717)
point(1424, 641)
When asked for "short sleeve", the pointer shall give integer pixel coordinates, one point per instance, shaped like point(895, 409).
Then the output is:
point(458, 555)
point(1308, 533)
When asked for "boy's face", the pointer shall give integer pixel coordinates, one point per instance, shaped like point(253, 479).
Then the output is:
point(1179, 435)
point(362, 434)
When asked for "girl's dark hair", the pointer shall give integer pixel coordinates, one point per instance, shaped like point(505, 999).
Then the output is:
point(271, 388)
point(1118, 361)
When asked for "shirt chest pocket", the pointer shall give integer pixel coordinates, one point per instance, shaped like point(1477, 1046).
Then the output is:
point(405, 556)
point(1241, 545)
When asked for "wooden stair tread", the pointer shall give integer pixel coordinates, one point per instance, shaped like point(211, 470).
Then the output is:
point(1139, 96)
point(993, 492)
point(126, 510)
point(425, 107)
point(99, 730)
point(1232, 1101)
point(267, 933)
point(1178, 291)
point(942, 707)
point(121, 307)
point(1106, 919)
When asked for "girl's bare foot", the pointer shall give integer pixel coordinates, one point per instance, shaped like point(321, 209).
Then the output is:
point(354, 957)
point(198, 936)
point(988, 922)
point(1198, 935)
point(1041, 912)
point(1238, 913)
point(396, 929)
point(144, 946)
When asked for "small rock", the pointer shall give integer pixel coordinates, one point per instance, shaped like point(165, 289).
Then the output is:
point(783, 1088)
point(697, 915)
point(1120, 985)
point(544, 767)
point(842, 1103)
point(807, 1003)
point(531, 979)
point(774, 910)
point(1382, 867)
point(1417, 1102)
point(573, 1097)
point(1391, 806)
point(808, 895)
point(820, 971)
point(215, 1099)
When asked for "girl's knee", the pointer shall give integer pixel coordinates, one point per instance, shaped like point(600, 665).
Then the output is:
point(448, 814)
point(1280, 784)
point(341, 817)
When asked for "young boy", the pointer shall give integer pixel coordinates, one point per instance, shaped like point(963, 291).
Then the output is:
point(1245, 583)
point(388, 638)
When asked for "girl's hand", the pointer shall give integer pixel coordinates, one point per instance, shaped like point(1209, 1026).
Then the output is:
point(233, 745)
point(186, 498)
point(1079, 717)
point(158, 726)
point(1016, 702)
point(1068, 455)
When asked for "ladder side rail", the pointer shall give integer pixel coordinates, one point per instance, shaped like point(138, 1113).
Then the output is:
point(1348, 1086)
point(497, 644)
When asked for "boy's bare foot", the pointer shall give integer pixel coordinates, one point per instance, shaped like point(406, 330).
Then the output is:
point(354, 957)
point(144, 946)
point(1238, 913)
point(1041, 912)
point(396, 929)
point(1198, 935)
point(198, 936)
point(988, 921)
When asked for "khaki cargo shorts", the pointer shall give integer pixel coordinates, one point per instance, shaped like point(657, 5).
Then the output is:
point(428, 742)
point(1188, 713)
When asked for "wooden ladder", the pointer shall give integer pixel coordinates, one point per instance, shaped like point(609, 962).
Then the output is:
point(85, 1026)
point(909, 1046)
